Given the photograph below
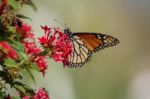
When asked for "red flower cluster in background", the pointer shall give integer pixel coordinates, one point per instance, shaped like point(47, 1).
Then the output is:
point(57, 42)
point(4, 3)
point(6, 51)
point(19, 52)
point(41, 94)
point(27, 39)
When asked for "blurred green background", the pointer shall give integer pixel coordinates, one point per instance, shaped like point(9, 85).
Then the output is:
point(121, 72)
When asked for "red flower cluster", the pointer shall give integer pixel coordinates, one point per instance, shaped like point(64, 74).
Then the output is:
point(3, 4)
point(27, 39)
point(7, 51)
point(26, 97)
point(57, 42)
point(41, 94)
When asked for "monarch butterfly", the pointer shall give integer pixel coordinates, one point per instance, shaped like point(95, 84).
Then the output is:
point(85, 44)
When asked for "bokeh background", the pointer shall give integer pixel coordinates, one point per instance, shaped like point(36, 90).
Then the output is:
point(121, 72)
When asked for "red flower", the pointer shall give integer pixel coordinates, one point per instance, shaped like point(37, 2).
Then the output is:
point(42, 64)
point(26, 97)
point(43, 40)
point(12, 54)
point(60, 43)
point(25, 32)
point(41, 94)
point(46, 29)
point(46, 39)
point(34, 52)
point(7, 50)
point(4, 3)
point(62, 50)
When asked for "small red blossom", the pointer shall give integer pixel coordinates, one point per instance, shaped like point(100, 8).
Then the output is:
point(26, 97)
point(25, 32)
point(42, 64)
point(60, 43)
point(12, 54)
point(46, 29)
point(43, 41)
point(41, 94)
point(7, 50)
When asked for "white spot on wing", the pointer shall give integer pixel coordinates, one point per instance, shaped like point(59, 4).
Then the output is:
point(84, 53)
point(76, 47)
point(79, 41)
point(82, 58)
point(75, 58)
point(76, 37)
point(85, 49)
point(79, 59)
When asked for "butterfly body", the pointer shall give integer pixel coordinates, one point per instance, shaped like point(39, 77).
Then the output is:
point(85, 44)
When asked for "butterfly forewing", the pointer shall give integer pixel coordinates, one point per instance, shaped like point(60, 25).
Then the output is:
point(97, 41)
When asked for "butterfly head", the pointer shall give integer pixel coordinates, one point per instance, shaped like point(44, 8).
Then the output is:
point(68, 32)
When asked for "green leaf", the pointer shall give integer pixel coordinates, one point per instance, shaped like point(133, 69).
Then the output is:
point(23, 88)
point(20, 50)
point(13, 97)
point(34, 67)
point(11, 29)
point(2, 94)
point(30, 3)
point(3, 35)
point(23, 17)
point(10, 63)
point(24, 56)
point(31, 75)
point(45, 52)
point(20, 88)
point(13, 4)
point(18, 46)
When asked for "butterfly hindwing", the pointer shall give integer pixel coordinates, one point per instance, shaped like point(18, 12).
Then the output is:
point(80, 54)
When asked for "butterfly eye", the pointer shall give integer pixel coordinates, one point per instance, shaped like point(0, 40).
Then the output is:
point(68, 33)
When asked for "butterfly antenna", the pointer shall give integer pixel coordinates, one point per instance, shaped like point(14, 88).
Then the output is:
point(64, 26)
